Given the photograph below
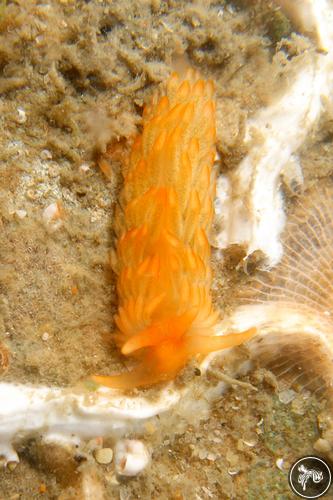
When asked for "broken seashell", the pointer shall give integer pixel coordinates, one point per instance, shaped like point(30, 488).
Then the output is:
point(279, 463)
point(293, 303)
point(131, 457)
point(21, 116)
point(250, 196)
point(53, 216)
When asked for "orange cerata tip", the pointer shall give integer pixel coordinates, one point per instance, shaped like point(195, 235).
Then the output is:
point(165, 314)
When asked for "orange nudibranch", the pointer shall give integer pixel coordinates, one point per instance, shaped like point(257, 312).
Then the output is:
point(165, 313)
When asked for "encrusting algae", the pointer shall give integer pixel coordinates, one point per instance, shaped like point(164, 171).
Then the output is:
point(162, 259)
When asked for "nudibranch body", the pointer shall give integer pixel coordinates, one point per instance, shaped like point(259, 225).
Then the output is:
point(165, 313)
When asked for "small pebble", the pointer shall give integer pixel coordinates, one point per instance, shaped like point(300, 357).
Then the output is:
point(12, 465)
point(322, 445)
point(104, 456)
point(21, 213)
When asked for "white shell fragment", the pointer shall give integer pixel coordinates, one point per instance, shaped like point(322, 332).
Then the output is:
point(62, 416)
point(21, 116)
point(250, 195)
point(310, 17)
point(131, 457)
point(52, 216)
point(287, 396)
point(66, 417)
point(291, 306)
point(45, 336)
point(21, 214)
point(51, 212)
point(84, 167)
point(279, 463)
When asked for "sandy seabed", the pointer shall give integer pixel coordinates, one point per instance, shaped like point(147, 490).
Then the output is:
point(74, 76)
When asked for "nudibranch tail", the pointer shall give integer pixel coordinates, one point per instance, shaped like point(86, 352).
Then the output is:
point(165, 313)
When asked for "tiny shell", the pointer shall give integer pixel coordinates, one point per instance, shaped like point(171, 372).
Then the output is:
point(84, 167)
point(50, 212)
point(22, 117)
point(52, 216)
point(131, 457)
point(46, 155)
point(279, 463)
point(233, 472)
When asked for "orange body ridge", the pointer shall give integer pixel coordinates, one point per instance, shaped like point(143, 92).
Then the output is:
point(165, 313)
